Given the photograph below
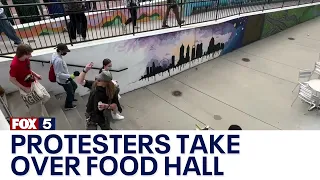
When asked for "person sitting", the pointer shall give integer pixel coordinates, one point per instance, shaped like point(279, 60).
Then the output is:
point(100, 102)
point(88, 84)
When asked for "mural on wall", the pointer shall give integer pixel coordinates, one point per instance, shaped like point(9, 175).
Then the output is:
point(281, 20)
point(186, 49)
point(157, 57)
point(253, 29)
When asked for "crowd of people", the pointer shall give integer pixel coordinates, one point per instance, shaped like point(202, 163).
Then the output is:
point(103, 103)
point(78, 22)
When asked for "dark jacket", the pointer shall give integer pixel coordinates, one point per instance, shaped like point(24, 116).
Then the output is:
point(115, 100)
point(73, 5)
point(96, 95)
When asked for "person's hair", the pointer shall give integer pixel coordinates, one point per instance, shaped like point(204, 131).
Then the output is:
point(235, 127)
point(23, 49)
point(110, 89)
point(104, 63)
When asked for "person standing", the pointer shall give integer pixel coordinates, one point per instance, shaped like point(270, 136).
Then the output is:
point(100, 102)
point(132, 6)
point(75, 9)
point(63, 77)
point(7, 29)
point(88, 84)
point(172, 4)
point(22, 76)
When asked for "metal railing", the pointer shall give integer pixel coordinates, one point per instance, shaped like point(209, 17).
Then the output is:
point(95, 20)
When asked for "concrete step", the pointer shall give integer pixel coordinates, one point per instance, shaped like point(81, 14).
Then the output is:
point(73, 116)
point(3, 108)
point(16, 105)
point(53, 109)
point(4, 98)
point(81, 106)
point(45, 112)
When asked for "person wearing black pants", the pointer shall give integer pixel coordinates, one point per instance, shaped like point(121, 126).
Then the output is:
point(75, 9)
point(132, 5)
point(172, 4)
point(78, 20)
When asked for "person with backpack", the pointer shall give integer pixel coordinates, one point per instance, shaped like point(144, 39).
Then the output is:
point(62, 76)
point(100, 102)
point(88, 84)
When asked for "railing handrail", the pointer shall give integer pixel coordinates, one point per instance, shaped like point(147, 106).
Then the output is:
point(25, 25)
point(39, 22)
point(72, 65)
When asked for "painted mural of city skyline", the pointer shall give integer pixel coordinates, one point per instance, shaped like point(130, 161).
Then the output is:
point(187, 55)
point(207, 42)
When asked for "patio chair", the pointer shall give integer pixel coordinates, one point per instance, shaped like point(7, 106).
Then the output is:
point(304, 75)
point(306, 95)
point(316, 69)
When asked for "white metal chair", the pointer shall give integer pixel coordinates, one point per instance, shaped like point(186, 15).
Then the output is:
point(304, 75)
point(307, 95)
point(316, 69)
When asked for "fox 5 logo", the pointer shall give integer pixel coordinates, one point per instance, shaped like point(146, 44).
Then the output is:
point(32, 123)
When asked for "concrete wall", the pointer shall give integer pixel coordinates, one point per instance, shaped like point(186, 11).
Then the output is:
point(154, 58)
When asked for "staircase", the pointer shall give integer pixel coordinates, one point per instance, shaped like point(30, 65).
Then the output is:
point(65, 120)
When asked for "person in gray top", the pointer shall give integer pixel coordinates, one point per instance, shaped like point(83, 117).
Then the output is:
point(75, 9)
point(63, 77)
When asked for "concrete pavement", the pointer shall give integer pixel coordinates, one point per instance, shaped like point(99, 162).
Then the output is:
point(255, 95)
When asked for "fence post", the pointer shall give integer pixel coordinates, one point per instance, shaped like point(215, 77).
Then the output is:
point(265, 2)
point(298, 2)
point(180, 12)
point(217, 9)
point(240, 8)
point(130, 10)
point(282, 3)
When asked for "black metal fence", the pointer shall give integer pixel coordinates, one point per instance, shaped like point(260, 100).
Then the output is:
point(45, 25)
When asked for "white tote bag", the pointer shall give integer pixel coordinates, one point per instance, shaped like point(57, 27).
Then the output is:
point(38, 94)
point(42, 89)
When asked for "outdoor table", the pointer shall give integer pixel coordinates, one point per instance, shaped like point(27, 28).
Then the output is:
point(315, 85)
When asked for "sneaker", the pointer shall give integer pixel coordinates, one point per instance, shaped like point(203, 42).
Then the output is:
point(181, 22)
point(70, 108)
point(17, 44)
point(117, 116)
point(124, 29)
point(165, 26)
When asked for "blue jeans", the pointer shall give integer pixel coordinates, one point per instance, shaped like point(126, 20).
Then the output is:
point(70, 89)
point(8, 30)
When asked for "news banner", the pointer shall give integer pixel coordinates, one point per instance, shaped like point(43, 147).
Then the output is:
point(33, 149)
